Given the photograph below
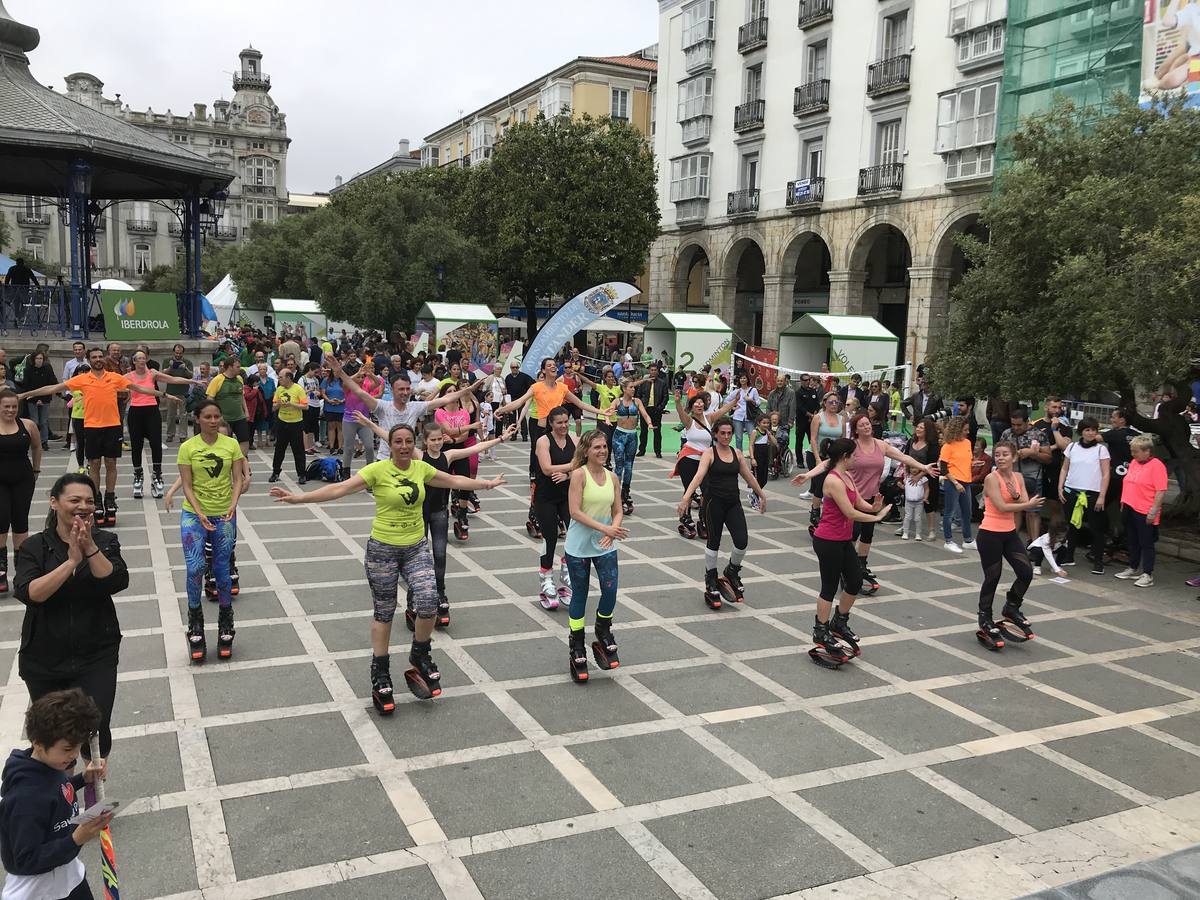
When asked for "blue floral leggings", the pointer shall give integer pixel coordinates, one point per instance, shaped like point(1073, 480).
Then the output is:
point(222, 538)
point(624, 449)
point(579, 568)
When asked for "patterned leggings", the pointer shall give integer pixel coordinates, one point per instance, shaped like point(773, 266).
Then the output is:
point(222, 539)
point(386, 564)
point(579, 568)
point(624, 448)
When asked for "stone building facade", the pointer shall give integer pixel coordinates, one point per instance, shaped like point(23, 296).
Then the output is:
point(247, 134)
point(821, 156)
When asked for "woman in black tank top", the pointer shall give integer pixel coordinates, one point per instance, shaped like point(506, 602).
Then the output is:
point(555, 452)
point(722, 465)
point(17, 477)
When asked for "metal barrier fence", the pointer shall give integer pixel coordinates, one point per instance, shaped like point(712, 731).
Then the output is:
point(36, 310)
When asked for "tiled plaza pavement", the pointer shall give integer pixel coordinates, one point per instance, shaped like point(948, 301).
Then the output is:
point(718, 761)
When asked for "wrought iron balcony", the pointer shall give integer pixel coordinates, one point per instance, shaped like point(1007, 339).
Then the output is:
point(141, 226)
point(888, 75)
point(38, 220)
point(225, 233)
point(251, 80)
point(807, 193)
point(886, 180)
point(752, 35)
point(743, 203)
point(750, 116)
point(258, 189)
point(811, 98)
point(815, 12)
point(174, 228)
point(698, 57)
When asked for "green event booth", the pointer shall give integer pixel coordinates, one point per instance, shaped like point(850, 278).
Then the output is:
point(472, 325)
point(139, 316)
point(693, 340)
point(846, 343)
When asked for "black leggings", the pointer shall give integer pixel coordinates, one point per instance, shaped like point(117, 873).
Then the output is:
point(721, 514)
point(145, 424)
point(687, 468)
point(839, 566)
point(15, 497)
point(289, 434)
point(995, 547)
point(1095, 520)
point(549, 512)
point(77, 429)
point(99, 683)
point(762, 462)
point(864, 531)
point(535, 432)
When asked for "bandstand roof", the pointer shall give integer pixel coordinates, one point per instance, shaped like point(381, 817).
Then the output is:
point(42, 132)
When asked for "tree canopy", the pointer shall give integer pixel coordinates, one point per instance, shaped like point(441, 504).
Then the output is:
point(564, 204)
point(1088, 281)
point(214, 263)
point(4, 233)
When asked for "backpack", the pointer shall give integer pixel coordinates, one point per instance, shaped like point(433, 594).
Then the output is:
point(327, 468)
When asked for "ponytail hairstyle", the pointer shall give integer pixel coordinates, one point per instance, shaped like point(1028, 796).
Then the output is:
point(61, 484)
point(584, 446)
point(838, 449)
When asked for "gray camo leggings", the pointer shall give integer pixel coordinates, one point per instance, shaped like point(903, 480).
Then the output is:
point(387, 564)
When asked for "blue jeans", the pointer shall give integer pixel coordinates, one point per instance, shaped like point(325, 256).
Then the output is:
point(624, 447)
point(578, 568)
point(956, 501)
point(222, 538)
point(740, 428)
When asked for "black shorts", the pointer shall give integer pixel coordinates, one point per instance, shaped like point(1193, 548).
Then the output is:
point(102, 443)
point(240, 430)
point(331, 416)
point(574, 412)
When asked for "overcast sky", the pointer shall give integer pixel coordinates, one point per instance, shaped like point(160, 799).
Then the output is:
point(353, 77)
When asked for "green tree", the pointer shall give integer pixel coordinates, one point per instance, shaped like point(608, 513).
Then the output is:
point(214, 264)
point(372, 256)
point(4, 233)
point(1089, 281)
point(564, 204)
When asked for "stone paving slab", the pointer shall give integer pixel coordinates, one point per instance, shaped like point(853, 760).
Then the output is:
point(717, 761)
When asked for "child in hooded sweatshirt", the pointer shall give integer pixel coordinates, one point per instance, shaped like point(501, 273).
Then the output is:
point(38, 845)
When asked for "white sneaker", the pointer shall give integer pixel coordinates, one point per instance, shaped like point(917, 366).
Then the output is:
point(968, 545)
point(952, 547)
point(904, 535)
point(1146, 580)
point(1037, 570)
point(753, 500)
point(807, 495)
point(1125, 574)
point(918, 538)
point(899, 532)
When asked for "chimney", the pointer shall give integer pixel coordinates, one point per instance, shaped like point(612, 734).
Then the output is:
point(201, 111)
point(337, 181)
point(402, 150)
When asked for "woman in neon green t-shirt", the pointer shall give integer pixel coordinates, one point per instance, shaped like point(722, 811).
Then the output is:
point(398, 549)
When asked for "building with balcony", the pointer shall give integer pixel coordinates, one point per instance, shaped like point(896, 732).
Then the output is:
point(247, 135)
point(825, 163)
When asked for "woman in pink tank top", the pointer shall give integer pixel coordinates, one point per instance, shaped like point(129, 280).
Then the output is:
point(833, 541)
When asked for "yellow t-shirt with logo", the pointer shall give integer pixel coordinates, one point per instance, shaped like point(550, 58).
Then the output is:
point(212, 472)
point(293, 394)
point(608, 396)
point(399, 500)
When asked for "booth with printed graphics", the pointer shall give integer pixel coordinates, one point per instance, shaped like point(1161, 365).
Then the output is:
point(693, 340)
point(471, 325)
point(845, 343)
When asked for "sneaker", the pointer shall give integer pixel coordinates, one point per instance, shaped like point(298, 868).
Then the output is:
point(1097, 567)
point(1193, 582)
point(1146, 580)
point(968, 545)
point(918, 538)
point(952, 547)
point(807, 495)
point(753, 500)
point(899, 532)
point(1037, 570)
point(1127, 573)
point(904, 536)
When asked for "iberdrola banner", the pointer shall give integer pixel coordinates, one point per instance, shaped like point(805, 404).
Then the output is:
point(571, 318)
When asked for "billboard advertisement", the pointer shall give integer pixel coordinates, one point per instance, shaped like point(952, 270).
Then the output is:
point(761, 367)
point(1171, 49)
point(139, 316)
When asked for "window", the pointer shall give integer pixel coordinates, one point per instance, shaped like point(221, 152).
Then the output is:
point(142, 259)
point(695, 97)
point(620, 104)
point(982, 44)
point(180, 138)
point(524, 115)
point(141, 211)
point(748, 177)
point(33, 207)
point(753, 84)
point(974, 162)
point(895, 35)
point(258, 145)
point(689, 177)
point(698, 22)
point(887, 142)
point(817, 62)
point(430, 155)
point(461, 148)
point(220, 142)
point(259, 211)
point(967, 15)
point(555, 98)
point(653, 113)
point(812, 158)
point(259, 171)
point(967, 118)
point(35, 248)
point(756, 9)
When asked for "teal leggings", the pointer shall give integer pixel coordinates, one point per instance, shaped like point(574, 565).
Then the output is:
point(579, 569)
point(624, 448)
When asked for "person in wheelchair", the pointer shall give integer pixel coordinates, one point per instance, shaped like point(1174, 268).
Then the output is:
point(781, 458)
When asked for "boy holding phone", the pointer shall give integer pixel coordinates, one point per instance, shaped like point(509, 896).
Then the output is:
point(38, 845)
